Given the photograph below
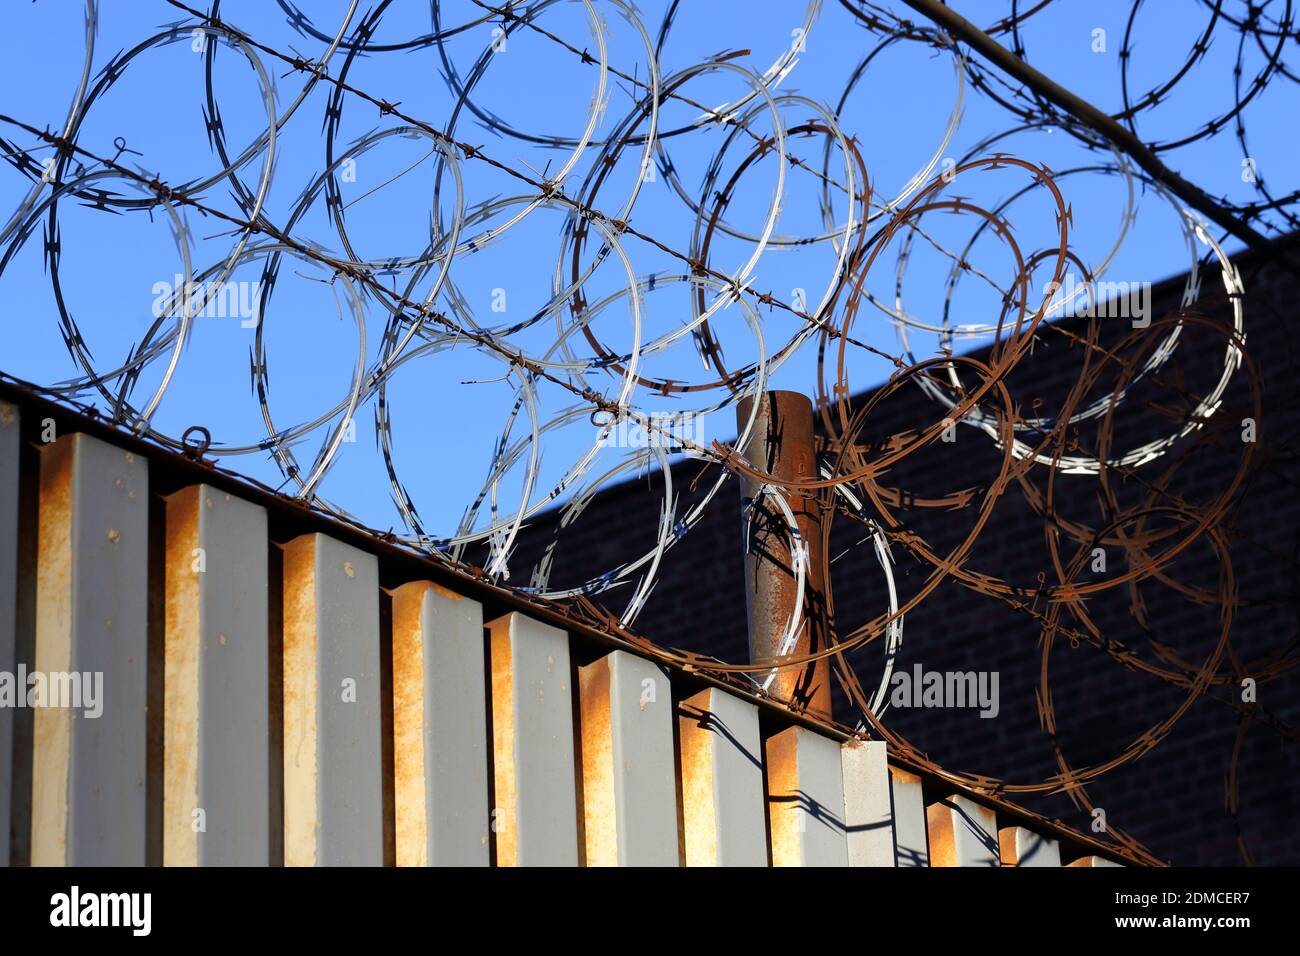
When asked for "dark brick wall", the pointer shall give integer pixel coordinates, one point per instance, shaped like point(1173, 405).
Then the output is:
point(1173, 797)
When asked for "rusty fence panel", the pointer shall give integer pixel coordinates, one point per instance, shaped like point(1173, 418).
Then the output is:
point(216, 750)
point(88, 774)
point(535, 815)
point(629, 787)
point(333, 781)
point(868, 817)
point(1020, 846)
point(962, 833)
point(440, 748)
point(512, 742)
point(722, 781)
point(911, 846)
point(805, 786)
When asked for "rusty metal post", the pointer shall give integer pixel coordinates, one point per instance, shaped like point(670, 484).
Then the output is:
point(781, 444)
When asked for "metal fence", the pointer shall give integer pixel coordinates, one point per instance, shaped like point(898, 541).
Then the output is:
point(204, 673)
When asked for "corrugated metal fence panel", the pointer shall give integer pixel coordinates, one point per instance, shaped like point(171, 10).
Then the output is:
point(9, 446)
point(1021, 846)
point(88, 786)
point(440, 749)
point(485, 756)
point(867, 814)
point(911, 847)
point(535, 816)
point(721, 781)
point(805, 784)
point(962, 833)
point(629, 787)
point(333, 773)
point(216, 774)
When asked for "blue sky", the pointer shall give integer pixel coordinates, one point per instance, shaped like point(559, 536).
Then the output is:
point(450, 403)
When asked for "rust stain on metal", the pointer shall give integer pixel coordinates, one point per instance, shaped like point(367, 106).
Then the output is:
point(903, 776)
point(699, 806)
point(409, 797)
point(1008, 853)
point(52, 726)
point(183, 588)
point(939, 828)
point(783, 798)
point(600, 812)
point(301, 814)
point(506, 797)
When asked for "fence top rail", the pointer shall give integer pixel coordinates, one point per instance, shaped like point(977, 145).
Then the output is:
point(171, 470)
